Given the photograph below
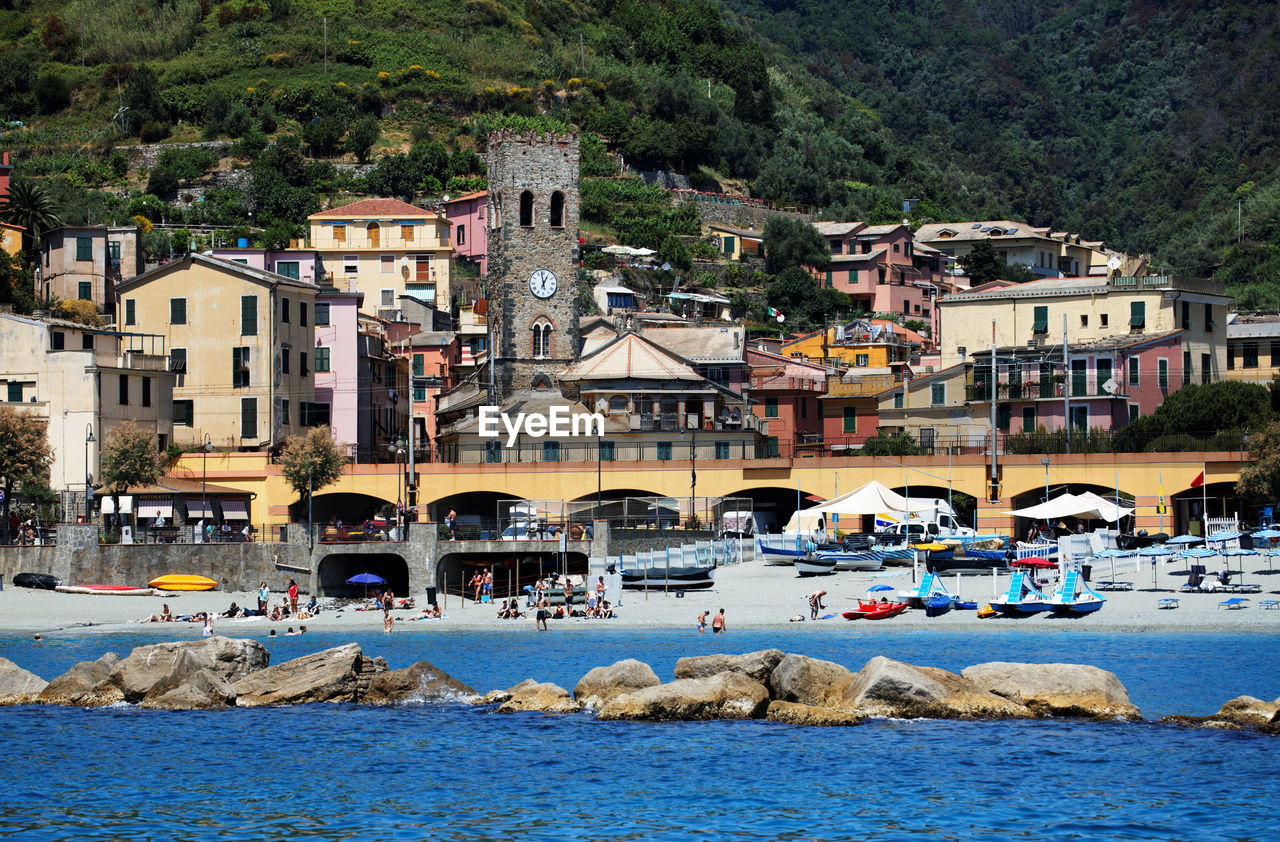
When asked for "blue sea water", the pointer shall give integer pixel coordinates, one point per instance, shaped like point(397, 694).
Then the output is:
point(445, 771)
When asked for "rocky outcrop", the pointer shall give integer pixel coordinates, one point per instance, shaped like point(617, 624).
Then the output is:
point(494, 697)
point(726, 695)
point(204, 689)
point(1250, 712)
point(603, 684)
point(158, 668)
point(792, 713)
point(529, 695)
point(328, 676)
point(1056, 689)
point(757, 666)
point(17, 686)
point(420, 682)
point(810, 681)
point(891, 688)
point(85, 684)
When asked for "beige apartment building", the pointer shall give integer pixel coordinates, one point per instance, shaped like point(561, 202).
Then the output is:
point(80, 381)
point(241, 343)
point(385, 248)
point(1036, 314)
point(86, 262)
point(1047, 253)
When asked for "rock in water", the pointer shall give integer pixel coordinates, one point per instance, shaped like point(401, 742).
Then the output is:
point(1248, 711)
point(891, 688)
point(87, 684)
point(810, 681)
point(726, 695)
point(419, 682)
point(757, 666)
point(161, 667)
point(204, 689)
point(791, 713)
point(529, 695)
point(1056, 689)
point(329, 676)
point(604, 683)
point(17, 686)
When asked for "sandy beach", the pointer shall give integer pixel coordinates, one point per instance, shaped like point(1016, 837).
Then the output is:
point(754, 595)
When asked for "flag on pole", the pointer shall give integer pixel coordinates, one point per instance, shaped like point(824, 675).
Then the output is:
point(1161, 508)
point(1198, 481)
point(774, 313)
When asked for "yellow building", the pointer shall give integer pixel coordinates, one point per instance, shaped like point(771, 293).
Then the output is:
point(385, 248)
point(932, 410)
point(863, 343)
point(1035, 314)
point(1253, 348)
point(240, 342)
point(10, 238)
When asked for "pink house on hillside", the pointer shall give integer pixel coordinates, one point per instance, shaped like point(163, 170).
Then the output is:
point(884, 270)
point(299, 264)
point(5, 169)
point(467, 215)
point(787, 393)
point(337, 361)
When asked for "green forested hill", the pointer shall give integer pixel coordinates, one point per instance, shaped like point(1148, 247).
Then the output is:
point(1147, 124)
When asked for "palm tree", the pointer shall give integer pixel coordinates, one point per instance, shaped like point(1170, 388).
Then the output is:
point(30, 206)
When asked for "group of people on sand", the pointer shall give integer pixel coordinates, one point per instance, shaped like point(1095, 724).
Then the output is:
point(482, 584)
point(167, 616)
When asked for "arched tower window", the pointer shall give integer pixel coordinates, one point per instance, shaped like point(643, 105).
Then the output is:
point(557, 209)
point(526, 209)
point(617, 403)
point(541, 339)
point(375, 234)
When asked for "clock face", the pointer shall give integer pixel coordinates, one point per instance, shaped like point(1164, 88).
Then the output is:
point(543, 283)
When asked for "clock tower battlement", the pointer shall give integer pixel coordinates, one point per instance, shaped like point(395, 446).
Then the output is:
point(533, 256)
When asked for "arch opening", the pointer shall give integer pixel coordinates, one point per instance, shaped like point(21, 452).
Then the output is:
point(336, 568)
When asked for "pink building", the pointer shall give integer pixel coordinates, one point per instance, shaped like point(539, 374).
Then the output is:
point(787, 393)
point(337, 361)
point(1105, 384)
point(884, 270)
point(467, 215)
point(5, 169)
point(299, 264)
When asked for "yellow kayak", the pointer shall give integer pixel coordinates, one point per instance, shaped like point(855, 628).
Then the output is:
point(182, 582)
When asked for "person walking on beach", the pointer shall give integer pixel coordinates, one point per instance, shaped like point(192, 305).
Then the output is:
point(568, 597)
point(815, 604)
point(475, 583)
point(486, 589)
point(717, 624)
point(540, 623)
point(388, 602)
point(293, 597)
point(702, 622)
point(264, 596)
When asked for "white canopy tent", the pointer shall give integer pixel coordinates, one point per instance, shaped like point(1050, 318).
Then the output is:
point(870, 499)
point(1088, 506)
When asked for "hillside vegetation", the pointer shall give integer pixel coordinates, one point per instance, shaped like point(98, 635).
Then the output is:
point(1148, 125)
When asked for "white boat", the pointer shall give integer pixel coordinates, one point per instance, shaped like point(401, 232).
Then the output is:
point(1075, 596)
point(812, 565)
point(784, 548)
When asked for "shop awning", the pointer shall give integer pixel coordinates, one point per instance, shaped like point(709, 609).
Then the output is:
point(155, 508)
point(199, 509)
point(109, 504)
point(234, 510)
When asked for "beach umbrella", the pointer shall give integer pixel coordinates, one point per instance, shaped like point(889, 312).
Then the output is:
point(1154, 552)
point(1267, 534)
point(366, 579)
point(1237, 552)
point(1189, 540)
point(878, 588)
point(1034, 561)
point(1113, 554)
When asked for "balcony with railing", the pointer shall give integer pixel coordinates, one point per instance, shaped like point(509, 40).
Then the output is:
point(787, 383)
point(980, 392)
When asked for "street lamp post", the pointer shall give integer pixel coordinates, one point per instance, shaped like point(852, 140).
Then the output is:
point(1044, 460)
point(88, 475)
point(397, 449)
point(204, 475)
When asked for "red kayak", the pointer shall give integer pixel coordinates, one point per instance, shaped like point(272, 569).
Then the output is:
point(852, 615)
point(882, 610)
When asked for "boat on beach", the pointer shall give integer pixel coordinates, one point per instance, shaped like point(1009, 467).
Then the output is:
point(37, 581)
point(783, 549)
point(108, 590)
point(182, 582)
point(1075, 596)
point(814, 565)
point(692, 578)
point(851, 559)
point(1023, 597)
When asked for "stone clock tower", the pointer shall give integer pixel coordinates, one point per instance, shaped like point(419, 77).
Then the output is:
point(533, 257)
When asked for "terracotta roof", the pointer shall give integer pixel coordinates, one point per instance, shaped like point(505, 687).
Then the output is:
point(373, 208)
point(467, 196)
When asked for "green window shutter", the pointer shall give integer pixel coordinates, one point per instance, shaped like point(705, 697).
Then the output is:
point(417, 365)
point(130, 311)
point(322, 359)
point(897, 400)
point(1003, 416)
point(850, 419)
point(606, 451)
point(1041, 323)
point(15, 393)
point(177, 311)
point(1137, 314)
point(248, 315)
point(830, 282)
point(770, 407)
point(722, 450)
point(551, 451)
point(84, 248)
point(664, 451)
point(86, 291)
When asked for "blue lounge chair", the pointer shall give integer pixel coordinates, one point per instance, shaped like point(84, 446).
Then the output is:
point(1167, 602)
point(1269, 604)
point(1234, 602)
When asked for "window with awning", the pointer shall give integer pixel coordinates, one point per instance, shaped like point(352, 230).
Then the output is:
point(1040, 323)
point(109, 504)
point(155, 508)
point(234, 510)
point(199, 509)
